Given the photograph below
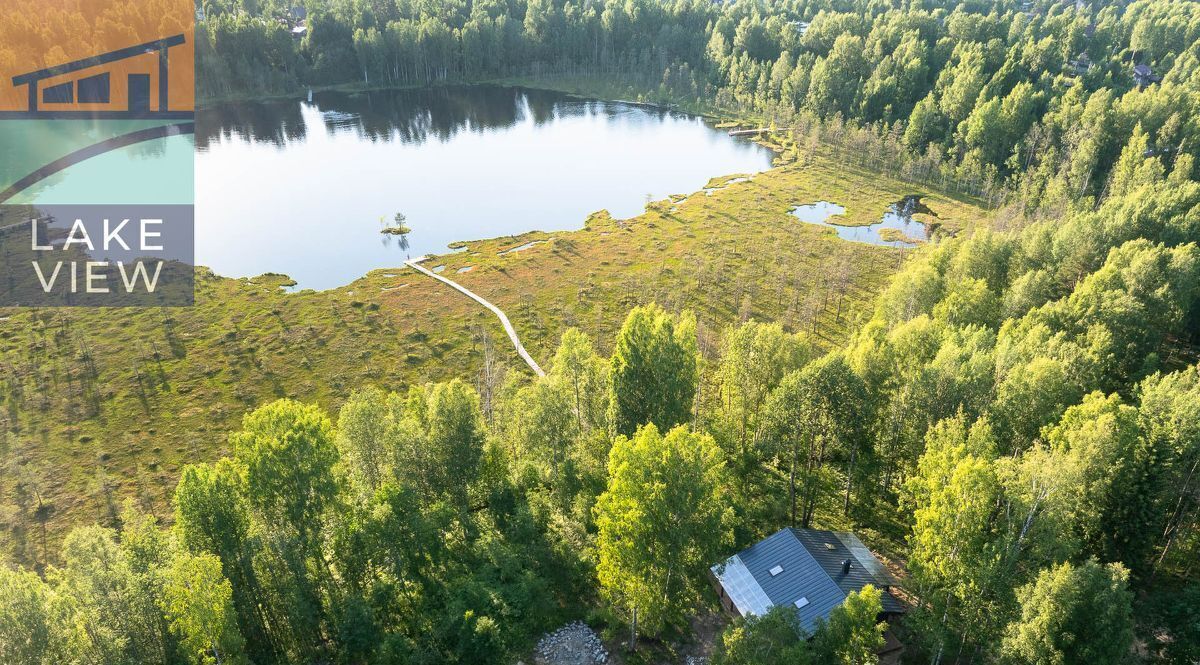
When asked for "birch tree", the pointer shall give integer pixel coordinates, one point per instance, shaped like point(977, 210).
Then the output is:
point(662, 521)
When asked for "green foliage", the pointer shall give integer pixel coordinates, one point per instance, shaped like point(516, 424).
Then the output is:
point(102, 608)
point(198, 602)
point(584, 375)
point(1168, 404)
point(852, 634)
point(541, 428)
point(662, 521)
point(815, 414)
point(956, 560)
point(654, 371)
point(404, 573)
point(366, 439)
point(1055, 454)
point(1028, 399)
point(968, 302)
point(29, 632)
point(1110, 470)
point(1073, 614)
point(754, 359)
point(212, 517)
point(1028, 391)
point(772, 639)
point(453, 455)
point(287, 453)
point(1175, 612)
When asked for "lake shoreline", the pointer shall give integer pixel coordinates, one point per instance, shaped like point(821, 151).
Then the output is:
point(247, 341)
point(535, 236)
point(553, 160)
point(548, 83)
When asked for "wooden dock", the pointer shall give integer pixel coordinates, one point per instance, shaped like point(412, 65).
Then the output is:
point(749, 132)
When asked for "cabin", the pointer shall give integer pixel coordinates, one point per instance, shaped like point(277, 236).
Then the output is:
point(1081, 64)
point(132, 82)
point(296, 21)
point(1143, 75)
point(810, 570)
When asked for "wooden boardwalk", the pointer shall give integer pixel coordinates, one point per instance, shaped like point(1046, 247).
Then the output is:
point(748, 132)
point(415, 264)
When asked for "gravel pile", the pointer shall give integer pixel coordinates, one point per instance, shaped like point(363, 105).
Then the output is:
point(573, 644)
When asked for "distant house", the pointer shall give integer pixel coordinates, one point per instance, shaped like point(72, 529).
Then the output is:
point(296, 21)
point(1143, 75)
point(1081, 63)
point(810, 570)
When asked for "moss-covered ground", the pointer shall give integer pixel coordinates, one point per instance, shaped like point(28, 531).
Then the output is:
point(99, 405)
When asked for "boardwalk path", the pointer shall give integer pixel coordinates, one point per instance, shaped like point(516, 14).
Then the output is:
point(415, 264)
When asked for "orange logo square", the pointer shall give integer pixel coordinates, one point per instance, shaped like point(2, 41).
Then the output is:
point(97, 58)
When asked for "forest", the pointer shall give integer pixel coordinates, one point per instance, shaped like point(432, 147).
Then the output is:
point(1028, 100)
point(1016, 418)
point(1022, 402)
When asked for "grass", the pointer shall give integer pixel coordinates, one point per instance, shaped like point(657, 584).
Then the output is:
point(99, 405)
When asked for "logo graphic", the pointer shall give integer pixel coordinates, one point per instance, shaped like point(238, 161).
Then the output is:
point(97, 119)
point(95, 89)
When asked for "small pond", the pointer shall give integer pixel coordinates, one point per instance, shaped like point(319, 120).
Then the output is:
point(898, 217)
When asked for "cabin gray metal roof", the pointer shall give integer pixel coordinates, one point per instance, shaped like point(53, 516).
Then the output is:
point(812, 570)
point(831, 548)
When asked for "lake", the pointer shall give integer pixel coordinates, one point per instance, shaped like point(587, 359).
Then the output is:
point(303, 188)
point(899, 218)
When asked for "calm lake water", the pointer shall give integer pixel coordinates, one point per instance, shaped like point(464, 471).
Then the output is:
point(899, 217)
point(301, 188)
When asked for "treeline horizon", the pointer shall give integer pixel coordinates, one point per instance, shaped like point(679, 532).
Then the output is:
point(1034, 100)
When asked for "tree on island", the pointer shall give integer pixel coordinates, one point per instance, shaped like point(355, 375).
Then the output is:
point(397, 228)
